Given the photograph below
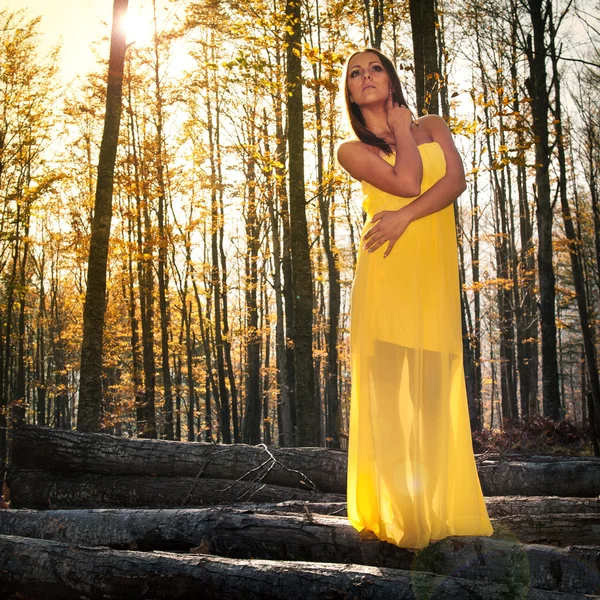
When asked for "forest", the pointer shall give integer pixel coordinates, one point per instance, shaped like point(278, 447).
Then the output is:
point(230, 233)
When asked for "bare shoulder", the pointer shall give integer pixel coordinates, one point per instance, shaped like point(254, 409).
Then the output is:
point(351, 151)
point(353, 147)
point(436, 126)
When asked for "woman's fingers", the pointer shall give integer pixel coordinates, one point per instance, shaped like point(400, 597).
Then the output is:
point(371, 231)
point(375, 242)
point(389, 248)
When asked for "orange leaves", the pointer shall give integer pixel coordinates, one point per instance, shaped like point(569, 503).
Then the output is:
point(494, 283)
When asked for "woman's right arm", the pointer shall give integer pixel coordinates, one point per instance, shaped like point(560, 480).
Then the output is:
point(401, 179)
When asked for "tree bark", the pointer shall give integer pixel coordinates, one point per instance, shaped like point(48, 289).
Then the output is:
point(41, 569)
point(241, 534)
point(60, 451)
point(39, 489)
point(536, 53)
point(73, 452)
point(163, 278)
point(427, 77)
point(306, 410)
point(251, 433)
point(283, 395)
point(145, 408)
point(90, 390)
point(375, 21)
point(526, 308)
point(252, 532)
point(216, 227)
point(572, 237)
point(540, 476)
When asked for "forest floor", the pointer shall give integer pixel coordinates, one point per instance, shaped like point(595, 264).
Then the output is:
point(536, 435)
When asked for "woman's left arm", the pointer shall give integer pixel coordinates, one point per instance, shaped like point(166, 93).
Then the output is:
point(390, 225)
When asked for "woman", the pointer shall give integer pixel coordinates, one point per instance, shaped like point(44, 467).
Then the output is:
point(412, 477)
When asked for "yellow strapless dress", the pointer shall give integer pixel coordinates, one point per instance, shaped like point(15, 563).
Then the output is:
point(412, 476)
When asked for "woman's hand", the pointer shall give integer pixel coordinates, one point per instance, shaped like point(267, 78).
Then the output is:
point(398, 117)
point(391, 224)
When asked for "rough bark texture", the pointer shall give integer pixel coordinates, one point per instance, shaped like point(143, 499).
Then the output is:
point(541, 476)
point(73, 452)
point(254, 533)
point(537, 85)
point(47, 569)
point(575, 242)
point(90, 390)
point(423, 24)
point(40, 448)
point(306, 409)
point(39, 489)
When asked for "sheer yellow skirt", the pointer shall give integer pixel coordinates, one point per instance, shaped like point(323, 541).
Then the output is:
point(412, 476)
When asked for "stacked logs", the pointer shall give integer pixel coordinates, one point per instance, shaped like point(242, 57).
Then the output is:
point(98, 516)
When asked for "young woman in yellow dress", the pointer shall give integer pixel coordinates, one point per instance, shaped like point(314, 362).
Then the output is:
point(412, 477)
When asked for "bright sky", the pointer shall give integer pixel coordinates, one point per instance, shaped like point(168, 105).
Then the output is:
point(74, 23)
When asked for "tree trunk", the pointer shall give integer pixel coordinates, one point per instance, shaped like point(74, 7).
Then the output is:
point(41, 569)
point(283, 399)
point(216, 226)
point(42, 490)
point(537, 85)
point(90, 390)
point(305, 536)
point(375, 21)
point(307, 417)
point(252, 418)
point(145, 408)
point(73, 452)
point(423, 24)
point(163, 280)
point(574, 240)
point(526, 308)
point(66, 452)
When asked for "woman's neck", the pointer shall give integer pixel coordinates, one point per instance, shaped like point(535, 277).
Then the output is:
point(376, 120)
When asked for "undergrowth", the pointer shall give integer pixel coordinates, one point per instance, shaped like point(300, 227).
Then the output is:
point(535, 435)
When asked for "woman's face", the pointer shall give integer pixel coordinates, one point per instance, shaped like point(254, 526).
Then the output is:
point(367, 79)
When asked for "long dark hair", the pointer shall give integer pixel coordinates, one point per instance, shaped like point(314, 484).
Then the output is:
point(355, 117)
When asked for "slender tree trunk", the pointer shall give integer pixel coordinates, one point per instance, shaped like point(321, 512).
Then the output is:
point(163, 283)
point(526, 308)
point(477, 418)
point(307, 417)
point(286, 257)
point(19, 400)
point(537, 84)
point(574, 240)
point(40, 409)
point(326, 205)
point(137, 365)
point(423, 24)
point(283, 394)
point(90, 390)
point(216, 226)
point(211, 387)
point(375, 21)
point(251, 430)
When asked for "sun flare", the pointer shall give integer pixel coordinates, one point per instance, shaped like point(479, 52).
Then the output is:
point(136, 29)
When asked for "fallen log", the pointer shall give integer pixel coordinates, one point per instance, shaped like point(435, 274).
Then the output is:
point(559, 529)
point(313, 538)
point(541, 476)
point(319, 469)
point(42, 569)
point(497, 506)
point(61, 451)
point(42, 490)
